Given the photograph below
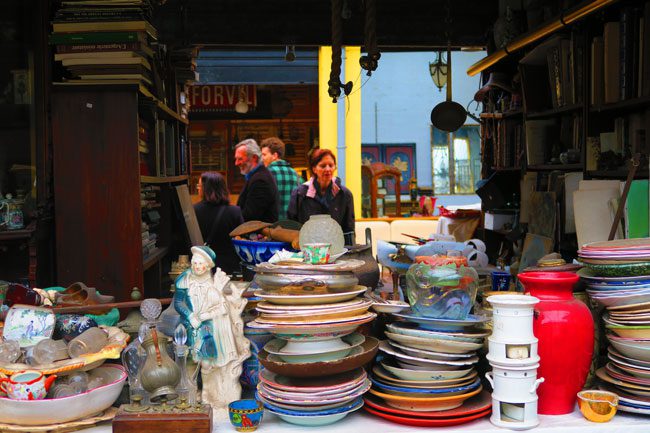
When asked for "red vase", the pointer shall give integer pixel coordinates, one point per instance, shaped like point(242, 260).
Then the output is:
point(565, 330)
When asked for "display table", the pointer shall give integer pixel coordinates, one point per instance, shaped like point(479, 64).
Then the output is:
point(361, 422)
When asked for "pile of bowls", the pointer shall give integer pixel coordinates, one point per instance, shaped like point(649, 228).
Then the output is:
point(617, 275)
point(313, 312)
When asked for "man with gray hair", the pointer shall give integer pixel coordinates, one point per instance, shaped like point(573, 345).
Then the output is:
point(259, 198)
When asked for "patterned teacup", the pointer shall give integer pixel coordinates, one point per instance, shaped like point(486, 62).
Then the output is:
point(317, 253)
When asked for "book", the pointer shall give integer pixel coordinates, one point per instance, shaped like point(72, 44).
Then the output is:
point(115, 77)
point(628, 48)
point(99, 55)
point(105, 62)
point(96, 38)
point(553, 58)
point(597, 71)
point(611, 59)
point(99, 50)
point(106, 26)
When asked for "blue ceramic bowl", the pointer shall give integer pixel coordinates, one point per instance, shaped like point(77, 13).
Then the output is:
point(245, 415)
point(256, 252)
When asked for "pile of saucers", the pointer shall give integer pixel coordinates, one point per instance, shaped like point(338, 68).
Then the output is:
point(313, 402)
point(617, 275)
point(428, 367)
point(313, 317)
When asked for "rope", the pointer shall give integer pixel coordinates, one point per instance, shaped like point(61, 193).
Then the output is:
point(334, 89)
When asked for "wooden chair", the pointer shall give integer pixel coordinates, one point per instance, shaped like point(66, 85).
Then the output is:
point(371, 175)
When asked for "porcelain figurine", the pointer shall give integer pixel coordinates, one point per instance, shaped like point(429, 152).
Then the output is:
point(210, 308)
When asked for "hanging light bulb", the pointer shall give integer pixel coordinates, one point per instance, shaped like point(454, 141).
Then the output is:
point(438, 71)
point(241, 106)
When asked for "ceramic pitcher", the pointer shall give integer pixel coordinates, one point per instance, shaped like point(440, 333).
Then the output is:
point(27, 385)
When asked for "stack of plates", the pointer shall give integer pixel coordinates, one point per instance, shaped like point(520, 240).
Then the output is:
point(624, 257)
point(475, 407)
point(618, 277)
point(313, 402)
point(313, 372)
point(428, 368)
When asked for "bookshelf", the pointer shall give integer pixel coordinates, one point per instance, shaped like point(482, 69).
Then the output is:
point(116, 227)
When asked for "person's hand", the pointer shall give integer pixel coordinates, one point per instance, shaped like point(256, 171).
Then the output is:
point(221, 279)
point(194, 321)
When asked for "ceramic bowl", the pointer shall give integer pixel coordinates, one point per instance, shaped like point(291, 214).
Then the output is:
point(315, 369)
point(446, 325)
point(412, 329)
point(117, 340)
point(60, 410)
point(389, 306)
point(597, 406)
point(630, 331)
point(326, 353)
point(245, 415)
point(256, 252)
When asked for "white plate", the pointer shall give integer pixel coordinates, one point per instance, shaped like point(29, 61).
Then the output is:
point(426, 375)
point(430, 363)
point(329, 298)
point(434, 344)
point(430, 355)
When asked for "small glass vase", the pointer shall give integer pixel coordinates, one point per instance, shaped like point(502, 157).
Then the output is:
point(186, 387)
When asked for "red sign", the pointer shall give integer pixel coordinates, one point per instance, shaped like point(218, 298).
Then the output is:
point(219, 97)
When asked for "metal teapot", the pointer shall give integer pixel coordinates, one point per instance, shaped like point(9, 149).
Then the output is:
point(160, 374)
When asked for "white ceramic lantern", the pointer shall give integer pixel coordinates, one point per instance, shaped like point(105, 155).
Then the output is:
point(514, 415)
point(512, 353)
point(515, 384)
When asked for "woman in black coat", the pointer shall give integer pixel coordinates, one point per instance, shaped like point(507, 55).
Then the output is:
point(323, 194)
point(216, 219)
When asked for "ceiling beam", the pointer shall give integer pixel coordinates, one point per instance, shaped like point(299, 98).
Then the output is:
point(401, 24)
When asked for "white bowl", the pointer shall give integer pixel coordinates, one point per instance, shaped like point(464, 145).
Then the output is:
point(389, 306)
point(65, 409)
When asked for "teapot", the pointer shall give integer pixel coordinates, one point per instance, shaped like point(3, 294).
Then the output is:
point(27, 385)
point(11, 214)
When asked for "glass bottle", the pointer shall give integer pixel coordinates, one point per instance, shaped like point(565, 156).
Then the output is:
point(186, 387)
point(133, 358)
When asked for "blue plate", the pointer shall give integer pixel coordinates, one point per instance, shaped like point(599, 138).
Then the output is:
point(441, 324)
point(406, 389)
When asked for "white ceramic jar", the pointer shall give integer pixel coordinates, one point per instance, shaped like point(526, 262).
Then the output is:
point(512, 317)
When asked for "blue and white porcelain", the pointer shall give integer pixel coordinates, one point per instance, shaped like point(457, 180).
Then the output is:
point(256, 252)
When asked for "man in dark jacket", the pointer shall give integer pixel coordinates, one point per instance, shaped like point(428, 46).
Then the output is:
point(259, 198)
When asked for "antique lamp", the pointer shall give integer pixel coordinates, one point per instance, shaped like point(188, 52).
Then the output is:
point(241, 106)
point(438, 70)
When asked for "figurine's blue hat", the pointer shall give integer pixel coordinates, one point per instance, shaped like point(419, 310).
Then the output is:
point(206, 252)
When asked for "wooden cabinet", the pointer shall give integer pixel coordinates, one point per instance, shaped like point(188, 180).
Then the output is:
point(97, 185)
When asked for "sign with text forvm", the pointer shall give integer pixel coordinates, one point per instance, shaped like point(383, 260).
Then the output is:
point(221, 97)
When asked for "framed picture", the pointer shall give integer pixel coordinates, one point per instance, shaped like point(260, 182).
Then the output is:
point(400, 155)
point(403, 157)
point(371, 153)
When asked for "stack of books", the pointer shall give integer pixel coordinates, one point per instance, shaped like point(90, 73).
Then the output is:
point(105, 41)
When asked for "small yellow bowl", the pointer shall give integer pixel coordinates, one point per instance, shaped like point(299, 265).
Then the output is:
point(597, 406)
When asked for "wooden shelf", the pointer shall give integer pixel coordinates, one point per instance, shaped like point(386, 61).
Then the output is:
point(629, 104)
point(154, 257)
point(506, 168)
point(550, 167)
point(163, 179)
point(162, 107)
point(554, 111)
point(617, 174)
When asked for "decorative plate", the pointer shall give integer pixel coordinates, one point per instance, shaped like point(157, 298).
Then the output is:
point(620, 270)
point(419, 353)
point(28, 324)
point(339, 265)
point(313, 421)
point(430, 392)
point(434, 344)
point(425, 404)
point(387, 377)
point(591, 275)
point(442, 324)
point(329, 298)
point(430, 363)
point(424, 375)
point(477, 404)
point(338, 381)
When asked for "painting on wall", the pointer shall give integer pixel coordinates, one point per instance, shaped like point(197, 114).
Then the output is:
point(400, 155)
